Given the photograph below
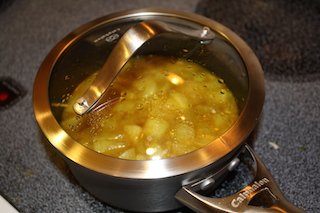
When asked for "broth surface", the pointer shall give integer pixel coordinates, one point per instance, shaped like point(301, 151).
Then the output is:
point(160, 107)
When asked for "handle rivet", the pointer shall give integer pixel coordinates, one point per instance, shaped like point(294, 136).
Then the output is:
point(207, 183)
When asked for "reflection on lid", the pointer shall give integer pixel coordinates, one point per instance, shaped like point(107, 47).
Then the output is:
point(175, 79)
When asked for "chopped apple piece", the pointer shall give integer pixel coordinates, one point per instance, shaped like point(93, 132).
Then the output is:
point(103, 145)
point(133, 131)
point(128, 154)
point(155, 128)
point(184, 133)
point(124, 106)
point(178, 101)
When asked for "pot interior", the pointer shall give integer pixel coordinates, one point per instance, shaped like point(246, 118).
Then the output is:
point(87, 54)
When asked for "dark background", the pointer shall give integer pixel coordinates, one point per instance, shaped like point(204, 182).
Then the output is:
point(283, 34)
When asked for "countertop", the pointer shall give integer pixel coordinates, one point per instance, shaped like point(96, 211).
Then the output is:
point(283, 34)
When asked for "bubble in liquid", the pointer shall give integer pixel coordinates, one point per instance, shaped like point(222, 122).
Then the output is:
point(119, 136)
point(220, 80)
point(122, 98)
point(123, 93)
point(140, 106)
point(149, 138)
point(155, 97)
point(172, 132)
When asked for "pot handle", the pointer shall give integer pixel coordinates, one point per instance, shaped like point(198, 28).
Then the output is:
point(261, 195)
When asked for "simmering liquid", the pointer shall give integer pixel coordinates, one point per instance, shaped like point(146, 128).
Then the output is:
point(166, 107)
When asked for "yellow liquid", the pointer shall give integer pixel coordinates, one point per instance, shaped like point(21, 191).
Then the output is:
point(167, 107)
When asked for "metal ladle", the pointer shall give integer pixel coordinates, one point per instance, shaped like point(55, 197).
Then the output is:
point(131, 41)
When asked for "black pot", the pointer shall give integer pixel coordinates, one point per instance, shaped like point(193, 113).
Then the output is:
point(151, 185)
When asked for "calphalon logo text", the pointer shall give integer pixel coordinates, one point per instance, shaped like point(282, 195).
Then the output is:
point(109, 36)
point(246, 194)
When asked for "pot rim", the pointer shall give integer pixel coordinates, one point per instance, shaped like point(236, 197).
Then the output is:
point(150, 169)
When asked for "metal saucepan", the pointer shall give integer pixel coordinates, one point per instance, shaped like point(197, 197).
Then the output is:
point(165, 184)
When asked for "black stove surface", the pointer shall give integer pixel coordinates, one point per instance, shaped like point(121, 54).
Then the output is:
point(285, 37)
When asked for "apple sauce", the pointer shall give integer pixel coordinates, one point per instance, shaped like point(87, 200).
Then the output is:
point(164, 107)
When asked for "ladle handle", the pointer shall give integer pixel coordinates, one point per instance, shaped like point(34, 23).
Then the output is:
point(261, 195)
point(131, 41)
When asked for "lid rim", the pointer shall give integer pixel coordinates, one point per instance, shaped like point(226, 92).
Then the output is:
point(150, 169)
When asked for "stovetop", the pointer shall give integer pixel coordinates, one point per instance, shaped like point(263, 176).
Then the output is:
point(284, 35)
